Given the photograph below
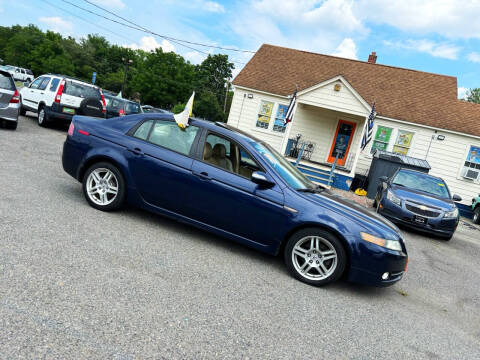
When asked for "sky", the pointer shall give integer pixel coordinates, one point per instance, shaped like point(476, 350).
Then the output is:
point(439, 36)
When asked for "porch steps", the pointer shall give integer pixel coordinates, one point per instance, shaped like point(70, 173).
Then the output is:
point(318, 176)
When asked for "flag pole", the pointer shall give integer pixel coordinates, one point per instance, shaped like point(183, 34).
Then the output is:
point(287, 128)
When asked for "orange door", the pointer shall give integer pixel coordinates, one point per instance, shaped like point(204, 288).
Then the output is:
point(342, 141)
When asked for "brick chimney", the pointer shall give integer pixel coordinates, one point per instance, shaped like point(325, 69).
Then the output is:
point(372, 58)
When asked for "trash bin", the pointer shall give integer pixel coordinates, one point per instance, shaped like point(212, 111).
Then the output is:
point(386, 163)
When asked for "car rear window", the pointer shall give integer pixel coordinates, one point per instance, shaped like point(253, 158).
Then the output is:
point(6, 81)
point(132, 108)
point(80, 90)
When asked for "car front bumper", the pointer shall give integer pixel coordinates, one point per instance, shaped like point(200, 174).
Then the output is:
point(10, 112)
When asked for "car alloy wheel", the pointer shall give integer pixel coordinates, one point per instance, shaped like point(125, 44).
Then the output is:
point(102, 186)
point(476, 215)
point(41, 117)
point(314, 258)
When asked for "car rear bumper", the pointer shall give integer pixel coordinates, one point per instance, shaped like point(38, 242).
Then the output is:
point(436, 226)
point(55, 112)
point(10, 113)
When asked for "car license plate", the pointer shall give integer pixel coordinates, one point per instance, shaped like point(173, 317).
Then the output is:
point(419, 219)
point(68, 110)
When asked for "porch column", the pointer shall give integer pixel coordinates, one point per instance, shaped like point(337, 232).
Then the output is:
point(286, 134)
point(359, 150)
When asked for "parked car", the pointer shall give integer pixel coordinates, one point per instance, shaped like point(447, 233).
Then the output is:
point(151, 109)
point(9, 100)
point(419, 200)
point(120, 107)
point(20, 74)
point(60, 97)
point(217, 178)
point(476, 209)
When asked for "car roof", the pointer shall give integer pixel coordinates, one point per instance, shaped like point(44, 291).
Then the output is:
point(420, 173)
point(121, 99)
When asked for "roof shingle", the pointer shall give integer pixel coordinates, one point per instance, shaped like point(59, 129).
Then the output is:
point(403, 94)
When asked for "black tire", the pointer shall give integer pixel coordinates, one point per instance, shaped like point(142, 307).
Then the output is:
point(448, 238)
point(118, 200)
point(11, 125)
point(42, 117)
point(23, 111)
point(333, 273)
point(476, 215)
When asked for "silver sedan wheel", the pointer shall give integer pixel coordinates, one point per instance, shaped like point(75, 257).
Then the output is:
point(314, 258)
point(102, 186)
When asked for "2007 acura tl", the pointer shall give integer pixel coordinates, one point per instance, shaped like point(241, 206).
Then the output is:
point(217, 178)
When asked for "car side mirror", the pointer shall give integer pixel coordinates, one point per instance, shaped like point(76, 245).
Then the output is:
point(456, 198)
point(26, 84)
point(383, 179)
point(260, 178)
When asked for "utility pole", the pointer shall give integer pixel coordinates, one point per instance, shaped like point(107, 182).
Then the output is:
point(227, 86)
point(126, 63)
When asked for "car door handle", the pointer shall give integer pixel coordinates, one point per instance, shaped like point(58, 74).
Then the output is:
point(202, 175)
point(136, 151)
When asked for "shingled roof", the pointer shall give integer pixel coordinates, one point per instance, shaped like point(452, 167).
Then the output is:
point(402, 94)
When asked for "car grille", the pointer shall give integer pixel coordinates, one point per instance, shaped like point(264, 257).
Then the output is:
point(427, 212)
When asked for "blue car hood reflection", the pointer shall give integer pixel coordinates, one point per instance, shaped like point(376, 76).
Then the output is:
point(423, 198)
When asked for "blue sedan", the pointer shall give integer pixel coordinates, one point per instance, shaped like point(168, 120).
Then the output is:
point(419, 201)
point(222, 180)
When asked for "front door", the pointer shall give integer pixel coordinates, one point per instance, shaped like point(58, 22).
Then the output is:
point(342, 141)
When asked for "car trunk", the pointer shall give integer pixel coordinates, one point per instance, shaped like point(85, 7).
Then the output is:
point(74, 93)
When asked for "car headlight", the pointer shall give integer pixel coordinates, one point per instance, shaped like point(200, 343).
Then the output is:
point(391, 196)
point(389, 244)
point(451, 214)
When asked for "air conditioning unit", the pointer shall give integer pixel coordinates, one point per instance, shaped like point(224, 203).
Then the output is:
point(470, 173)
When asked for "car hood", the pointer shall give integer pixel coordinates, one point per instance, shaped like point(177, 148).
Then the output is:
point(366, 216)
point(423, 198)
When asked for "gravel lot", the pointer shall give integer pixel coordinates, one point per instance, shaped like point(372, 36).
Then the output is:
point(79, 283)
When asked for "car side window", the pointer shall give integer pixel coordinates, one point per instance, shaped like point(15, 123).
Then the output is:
point(143, 130)
point(54, 84)
point(169, 135)
point(44, 83)
point(36, 83)
point(229, 156)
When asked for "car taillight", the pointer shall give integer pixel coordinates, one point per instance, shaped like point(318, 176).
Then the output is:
point(71, 128)
point(104, 103)
point(58, 97)
point(15, 98)
point(121, 112)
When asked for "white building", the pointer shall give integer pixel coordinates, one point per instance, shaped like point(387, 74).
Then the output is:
point(419, 115)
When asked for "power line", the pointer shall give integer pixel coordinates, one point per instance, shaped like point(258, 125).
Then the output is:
point(168, 37)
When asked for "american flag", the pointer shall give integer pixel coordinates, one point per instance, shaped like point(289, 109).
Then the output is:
point(291, 107)
point(367, 134)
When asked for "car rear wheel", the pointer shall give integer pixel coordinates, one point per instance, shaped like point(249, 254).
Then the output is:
point(476, 215)
point(315, 256)
point(42, 117)
point(104, 187)
point(12, 125)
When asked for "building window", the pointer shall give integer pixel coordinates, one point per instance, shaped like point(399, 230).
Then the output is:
point(382, 138)
point(279, 123)
point(403, 143)
point(471, 168)
point(264, 114)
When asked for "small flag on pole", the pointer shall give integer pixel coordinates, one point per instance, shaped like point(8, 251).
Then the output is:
point(291, 107)
point(182, 118)
point(367, 133)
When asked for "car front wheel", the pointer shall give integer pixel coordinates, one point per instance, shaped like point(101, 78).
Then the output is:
point(476, 215)
point(104, 187)
point(315, 256)
point(42, 117)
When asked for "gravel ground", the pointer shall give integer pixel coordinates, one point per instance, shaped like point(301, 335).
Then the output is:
point(79, 283)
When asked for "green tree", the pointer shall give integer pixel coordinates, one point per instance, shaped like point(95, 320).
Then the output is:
point(473, 95)
point(213, 73)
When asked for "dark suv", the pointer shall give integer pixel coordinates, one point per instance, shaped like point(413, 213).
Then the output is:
point(120, 107)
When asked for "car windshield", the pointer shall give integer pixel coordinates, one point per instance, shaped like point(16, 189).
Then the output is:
point(283, 167)
point(422, 182)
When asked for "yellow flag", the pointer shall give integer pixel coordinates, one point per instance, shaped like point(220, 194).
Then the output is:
point(182, 118)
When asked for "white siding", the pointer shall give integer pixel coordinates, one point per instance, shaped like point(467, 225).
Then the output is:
point(326, 97)
point(445, 157)
point(244, 112)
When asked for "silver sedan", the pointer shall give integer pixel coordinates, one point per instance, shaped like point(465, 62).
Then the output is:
point(9, 101)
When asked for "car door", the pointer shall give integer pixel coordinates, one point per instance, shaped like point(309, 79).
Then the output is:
point(159, 158)
point(225, 196)
point(29, 94)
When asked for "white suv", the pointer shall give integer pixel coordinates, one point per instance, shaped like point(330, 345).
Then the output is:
point(61, 97)
point(20, 74)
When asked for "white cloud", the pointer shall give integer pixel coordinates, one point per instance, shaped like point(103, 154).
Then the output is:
point(462, 92)
point(441, 50)
point(474, 57)
point(114, 4)
point(213, 6)
point(149, 43)
point(57, 24)
point(194, 57)
point(449, 18)
point(346, 49)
